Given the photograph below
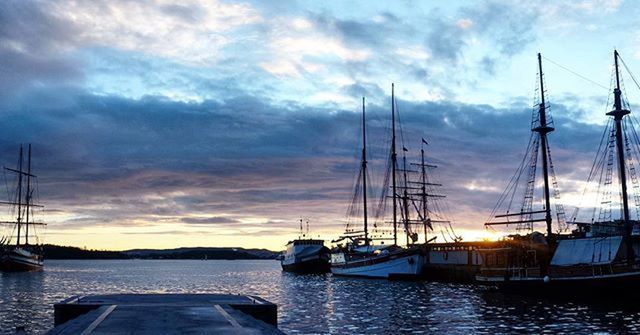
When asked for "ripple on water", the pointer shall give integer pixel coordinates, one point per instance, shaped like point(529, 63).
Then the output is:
point(310, 304)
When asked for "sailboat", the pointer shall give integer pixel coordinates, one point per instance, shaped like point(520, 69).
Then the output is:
point(305, 255)
point(20, 254)
point(599, 257)
point(603, 258)
point(521, 259)
point(359, 257)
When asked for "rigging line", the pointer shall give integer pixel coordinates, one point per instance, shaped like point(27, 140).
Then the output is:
point(577, 74)
point(593, 170)
point(514, 179)
point(629, 71)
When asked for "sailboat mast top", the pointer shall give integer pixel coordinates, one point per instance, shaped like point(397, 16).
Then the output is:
point(543, 129)
point(393, 165)
point(364, 174)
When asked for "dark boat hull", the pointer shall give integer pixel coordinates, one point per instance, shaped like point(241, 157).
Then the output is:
point(13, 261)
point(318, 265)
point(600, 286)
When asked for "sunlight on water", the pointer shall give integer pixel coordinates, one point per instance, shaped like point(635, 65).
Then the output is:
point(310, 304)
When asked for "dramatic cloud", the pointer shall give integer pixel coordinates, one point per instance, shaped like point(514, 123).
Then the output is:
point(199, 121)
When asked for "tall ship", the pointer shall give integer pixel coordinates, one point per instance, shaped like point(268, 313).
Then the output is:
point(600, 255)
point(18, 252)
point(446, 256)
point(525, 255)
point(361, 253)
point(305, 254)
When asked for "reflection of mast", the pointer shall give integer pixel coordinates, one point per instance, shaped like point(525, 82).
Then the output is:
point(394, 159)
point(618, 113)
point(543, 129)
point(364, 175)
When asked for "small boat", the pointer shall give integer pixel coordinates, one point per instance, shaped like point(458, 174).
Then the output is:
point(306, 255)
point(22, 255)
point(359, 256)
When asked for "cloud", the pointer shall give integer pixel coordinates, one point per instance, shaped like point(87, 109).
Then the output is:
point(503, 26)
point(31, 47)
point(245, 163)
point(209, 220)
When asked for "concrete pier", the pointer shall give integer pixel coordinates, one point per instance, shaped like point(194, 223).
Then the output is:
point(165, 314)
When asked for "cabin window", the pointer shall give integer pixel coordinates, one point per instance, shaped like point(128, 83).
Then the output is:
point(491, 260)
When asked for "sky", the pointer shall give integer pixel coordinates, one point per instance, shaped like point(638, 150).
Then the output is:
point(159, 124)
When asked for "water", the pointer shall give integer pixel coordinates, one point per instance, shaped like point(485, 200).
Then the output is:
point(311, 304)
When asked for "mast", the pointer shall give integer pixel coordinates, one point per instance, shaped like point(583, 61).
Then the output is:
point(543, 129)
point(19, 218)
point(618, 113)
point(394, 159)
point(364, 175)
point(424, 194)
point(28, 197)
point(405, 195)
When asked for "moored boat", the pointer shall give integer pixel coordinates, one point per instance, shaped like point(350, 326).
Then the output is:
point(306, 255)
point(360, 256)
point(21, 254)
point(520, 260)
point(600, 257)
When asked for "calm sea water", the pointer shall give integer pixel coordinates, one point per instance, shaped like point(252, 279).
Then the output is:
point(312, 304)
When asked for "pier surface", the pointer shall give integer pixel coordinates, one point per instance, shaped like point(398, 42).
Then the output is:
point(165, 314)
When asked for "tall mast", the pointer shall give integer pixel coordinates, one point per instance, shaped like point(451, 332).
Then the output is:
point(618, 113)
point(393, 165)
point(19, 218)
point(405, 196)
point(364, 175)
point(543, 129)
point(28, 198)
point(424, 194)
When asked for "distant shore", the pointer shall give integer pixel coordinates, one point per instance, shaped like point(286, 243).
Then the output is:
point(64, 252)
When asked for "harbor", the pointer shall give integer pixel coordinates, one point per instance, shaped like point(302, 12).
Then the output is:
point(309, 304)
point(246, 167)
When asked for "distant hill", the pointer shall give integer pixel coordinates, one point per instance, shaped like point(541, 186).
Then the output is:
point(200, 253)
point(62, 252)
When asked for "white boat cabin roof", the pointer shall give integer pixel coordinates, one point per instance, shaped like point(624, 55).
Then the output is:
point(594, 250)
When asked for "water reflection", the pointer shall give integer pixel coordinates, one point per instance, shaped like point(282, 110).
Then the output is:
point(313, 304)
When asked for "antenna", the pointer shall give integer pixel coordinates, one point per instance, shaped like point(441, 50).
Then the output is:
point(301, 232)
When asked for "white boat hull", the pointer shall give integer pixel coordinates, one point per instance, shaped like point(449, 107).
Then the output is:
point(406, 265)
